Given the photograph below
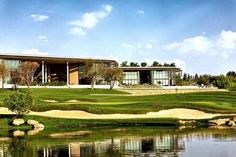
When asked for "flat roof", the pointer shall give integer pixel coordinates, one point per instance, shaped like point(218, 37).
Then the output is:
point(47, 58)
point(150, 68)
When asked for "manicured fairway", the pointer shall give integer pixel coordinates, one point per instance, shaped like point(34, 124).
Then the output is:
point(113, 101)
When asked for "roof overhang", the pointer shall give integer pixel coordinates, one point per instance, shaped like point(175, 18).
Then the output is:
point(150, 68)
point(52, 59)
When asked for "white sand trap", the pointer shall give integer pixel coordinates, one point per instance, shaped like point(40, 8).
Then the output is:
point(50, 101)
point(72, 101)
point(180, 113)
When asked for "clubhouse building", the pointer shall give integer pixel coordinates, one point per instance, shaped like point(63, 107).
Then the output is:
point(73, 70)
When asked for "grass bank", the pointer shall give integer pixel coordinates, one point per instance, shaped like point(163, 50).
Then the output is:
point(67, 125)
point(103, 101)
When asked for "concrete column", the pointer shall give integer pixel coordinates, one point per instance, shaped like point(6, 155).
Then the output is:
point(43, 78)
point(67, 73)
point(138, 73)
point(169, 77)
point(49, 72)
point(46, 73)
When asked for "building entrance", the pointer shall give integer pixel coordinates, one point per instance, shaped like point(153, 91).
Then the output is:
point(145, 77)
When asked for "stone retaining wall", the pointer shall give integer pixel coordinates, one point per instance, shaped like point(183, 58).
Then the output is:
point(157, 91)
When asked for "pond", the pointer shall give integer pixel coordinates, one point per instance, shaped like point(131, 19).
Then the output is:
point(124, 142)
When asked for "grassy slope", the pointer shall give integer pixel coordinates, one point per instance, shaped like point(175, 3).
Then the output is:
point(112, 101)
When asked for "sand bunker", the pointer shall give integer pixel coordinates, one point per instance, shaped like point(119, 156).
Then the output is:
point(180, 113)
point(50, 101)
point(70, 101)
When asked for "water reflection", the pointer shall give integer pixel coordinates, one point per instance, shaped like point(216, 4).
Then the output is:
point(127, 146)
point(160, 144)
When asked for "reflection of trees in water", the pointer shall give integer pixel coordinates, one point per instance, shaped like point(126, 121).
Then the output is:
point(19, 147)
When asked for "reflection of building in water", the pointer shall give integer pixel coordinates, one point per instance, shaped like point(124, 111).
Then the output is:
point(164, 144)
point(54, 151)
point(4, 150)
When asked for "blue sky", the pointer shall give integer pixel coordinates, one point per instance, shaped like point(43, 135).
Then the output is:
point(199, 35)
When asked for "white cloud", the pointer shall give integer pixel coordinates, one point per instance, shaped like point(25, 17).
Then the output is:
point(224, 44)
point(149, 46)
point(89, 20)
point(140, 47)
point(108, 8)
point(141, 12)
point(42, 37)
point(40, 18)
point(127, 45)
point(33, 51)
point(77, 30)
point(200, 44)
point(178, 62)
point(227, 40)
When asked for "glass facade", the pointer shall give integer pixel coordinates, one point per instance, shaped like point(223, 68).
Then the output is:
point(131, 77)
point(157, 77)
point(160, 78)
point(12, 64)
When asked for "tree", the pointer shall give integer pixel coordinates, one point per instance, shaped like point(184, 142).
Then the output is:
point(4, 72)
point(188, 77)
point(93, 72)
point(204, 79)
point(19, 102)
point(111, 75)
point(26, 72)
point(124, 64)
point(185, 77)
point(172, 65)
point(179, 81)
point(166, 65)
point(196, 76)
point(156, 64)
point(221, 81)
point(231, 74)
point(15, 77)
point(133, 64)
point(143, 64)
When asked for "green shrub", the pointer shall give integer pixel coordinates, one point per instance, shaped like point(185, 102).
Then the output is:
point(55, 83)
point(19, 102)
point(233, 87)
point(221, 82)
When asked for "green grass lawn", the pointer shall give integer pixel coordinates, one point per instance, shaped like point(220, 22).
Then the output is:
point(113, 101)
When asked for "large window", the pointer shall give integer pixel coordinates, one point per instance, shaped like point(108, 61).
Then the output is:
point(12, 64)
point(160, 74)
point(131, 77)
point(160, 78)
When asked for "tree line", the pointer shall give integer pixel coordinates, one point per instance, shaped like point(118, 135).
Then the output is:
point(144, 64)
point(220, 81)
